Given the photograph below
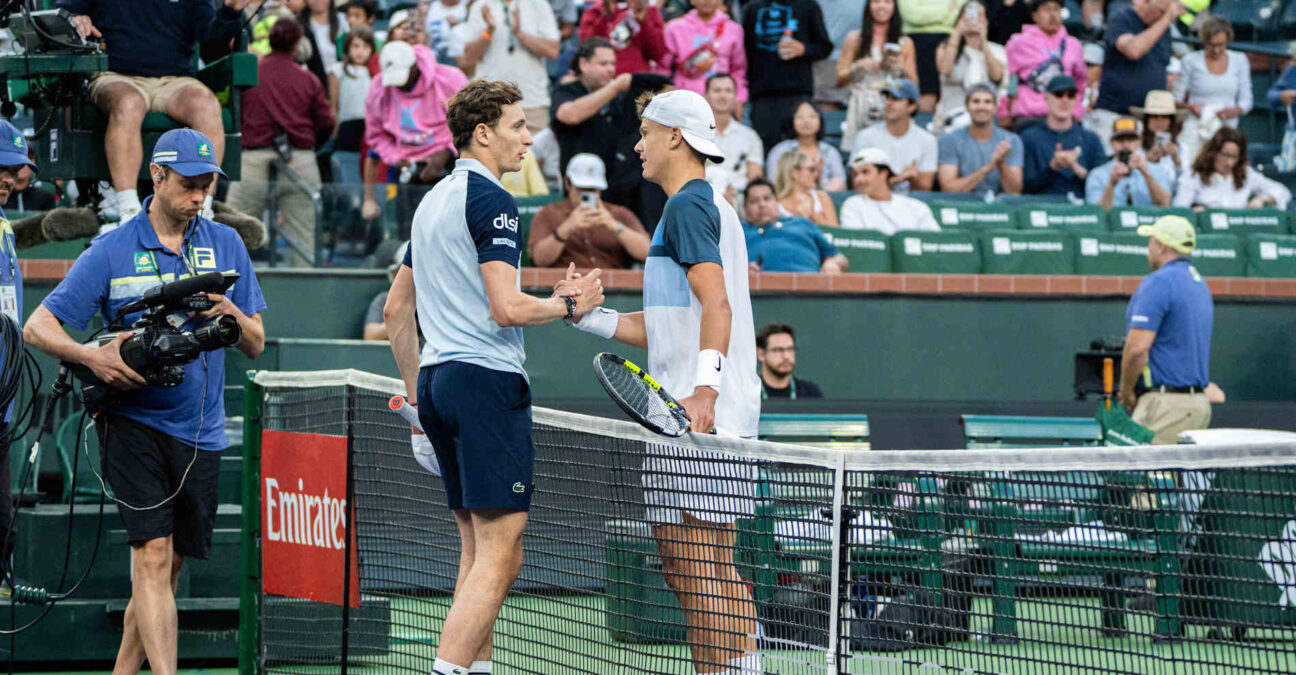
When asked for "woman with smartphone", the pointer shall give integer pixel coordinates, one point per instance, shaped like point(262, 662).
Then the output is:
point(1162, 123)
point(966, 58)
point(869, 57)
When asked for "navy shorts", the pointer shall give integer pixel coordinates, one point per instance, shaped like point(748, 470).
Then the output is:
point(479, 422)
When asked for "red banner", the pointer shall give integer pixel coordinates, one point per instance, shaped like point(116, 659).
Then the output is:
point(303, 517)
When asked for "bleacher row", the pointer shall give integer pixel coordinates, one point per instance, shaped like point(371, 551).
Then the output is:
point(1048, 238)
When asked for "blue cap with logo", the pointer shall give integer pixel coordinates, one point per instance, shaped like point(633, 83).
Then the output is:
point(13, 146)
point(1060, 83)
point(902, 88)
point(187, 152)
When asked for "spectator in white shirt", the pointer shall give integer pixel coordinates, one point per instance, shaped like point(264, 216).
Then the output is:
point(1221, 179)
point(1214, 80)
point(740, 143)
point(510, 42)
point(908, 146)
point(876, 207)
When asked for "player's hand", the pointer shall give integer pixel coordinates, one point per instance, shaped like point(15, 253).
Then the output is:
point(423, 452)
point(85, 26)
point(589, 292)
point(1127, 399)
point(107, 365)
point(700, 407)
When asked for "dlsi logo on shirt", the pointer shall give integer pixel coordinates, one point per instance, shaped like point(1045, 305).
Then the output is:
point(504, 222)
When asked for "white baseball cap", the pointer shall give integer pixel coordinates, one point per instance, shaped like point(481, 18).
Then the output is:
point(692, 115)
point(396, 60)
point(586, 171)
point(397, 18)
point(870, 155)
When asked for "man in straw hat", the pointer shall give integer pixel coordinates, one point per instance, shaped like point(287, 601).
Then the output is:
point(1165, 365)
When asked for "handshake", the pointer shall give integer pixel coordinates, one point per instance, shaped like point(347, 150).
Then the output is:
point(585, 289)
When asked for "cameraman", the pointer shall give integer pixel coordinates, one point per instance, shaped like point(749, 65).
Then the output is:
point(159, 447)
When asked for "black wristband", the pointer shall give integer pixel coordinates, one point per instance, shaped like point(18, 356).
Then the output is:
point(560, 239)
point(571, 307)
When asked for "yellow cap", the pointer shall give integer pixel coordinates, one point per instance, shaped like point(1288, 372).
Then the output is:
point(1173, 231)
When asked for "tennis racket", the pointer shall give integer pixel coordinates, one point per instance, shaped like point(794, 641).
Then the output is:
point(639, 395)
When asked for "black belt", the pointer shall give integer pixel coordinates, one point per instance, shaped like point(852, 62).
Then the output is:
point(1167, 389)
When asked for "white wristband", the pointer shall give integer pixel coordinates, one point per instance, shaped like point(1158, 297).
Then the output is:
point(710, 369)
point(601, 322)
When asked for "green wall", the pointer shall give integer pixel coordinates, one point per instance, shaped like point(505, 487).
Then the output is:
point(861, 347)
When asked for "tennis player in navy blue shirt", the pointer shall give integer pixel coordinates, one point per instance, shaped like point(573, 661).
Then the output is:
point(13, 157)
point(472, 393)
point(159, 446)
point(1165, 366)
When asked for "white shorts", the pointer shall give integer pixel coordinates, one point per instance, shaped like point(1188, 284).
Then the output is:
point(710, 486)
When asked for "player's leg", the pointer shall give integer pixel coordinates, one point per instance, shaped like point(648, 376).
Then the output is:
point(497, 561)
point(688, 569)
point(735, 609)
point(467, 555)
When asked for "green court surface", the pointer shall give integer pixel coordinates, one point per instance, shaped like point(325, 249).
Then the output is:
point(1059, 636)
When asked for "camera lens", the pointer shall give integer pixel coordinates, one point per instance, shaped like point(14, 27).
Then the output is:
point(222, 332)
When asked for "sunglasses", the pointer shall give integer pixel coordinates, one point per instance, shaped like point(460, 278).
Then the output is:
point(1066, 93)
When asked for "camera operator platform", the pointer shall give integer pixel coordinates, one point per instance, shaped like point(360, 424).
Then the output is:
point(159, 445)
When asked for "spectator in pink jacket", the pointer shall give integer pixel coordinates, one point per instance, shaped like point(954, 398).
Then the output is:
point(1037, 54)
point(703, 43)
point(405, 126)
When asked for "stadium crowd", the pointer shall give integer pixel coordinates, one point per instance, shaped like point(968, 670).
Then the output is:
point(885, 98)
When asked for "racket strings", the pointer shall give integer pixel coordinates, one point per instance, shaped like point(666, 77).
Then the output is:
point(635, 393)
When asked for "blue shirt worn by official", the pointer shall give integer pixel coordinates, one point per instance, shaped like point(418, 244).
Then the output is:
point(11, 283)
point(1131, 190)
point(117, 269)
point(466, 220)
point(788, 245)
point(1174, 302)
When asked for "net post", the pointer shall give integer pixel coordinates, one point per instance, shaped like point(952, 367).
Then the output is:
point(836, 656)
point(349, 531)
point(249, 647)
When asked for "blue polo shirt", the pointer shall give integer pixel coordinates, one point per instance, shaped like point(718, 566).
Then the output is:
point(117, 269)
point(788, 245)
point(1175, 302)
point(10, 275)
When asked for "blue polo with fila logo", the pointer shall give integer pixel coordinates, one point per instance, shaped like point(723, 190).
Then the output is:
point(117, 269)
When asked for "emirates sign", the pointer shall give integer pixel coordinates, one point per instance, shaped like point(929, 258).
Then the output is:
point(304, 515)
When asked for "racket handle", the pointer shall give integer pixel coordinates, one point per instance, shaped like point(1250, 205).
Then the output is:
point(401, 407)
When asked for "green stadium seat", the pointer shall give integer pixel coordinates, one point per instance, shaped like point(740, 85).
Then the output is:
point(1271, 255)
point(1130, 217)
point(1009, 431)
point(1075, 218)
point(867, 250)
point(976, 215)
point(950, 252)
point(527, 207)
point(843, 432)
point(1220, 255)
point(1112, 254)
point(1027, 252)
point(1242, 220)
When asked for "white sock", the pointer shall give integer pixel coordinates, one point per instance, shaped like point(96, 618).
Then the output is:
point(444, 667)
point(480, 668)
point(128, 204)
point(207, 208)
point(745, 665)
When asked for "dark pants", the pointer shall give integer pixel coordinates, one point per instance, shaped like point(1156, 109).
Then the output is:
point(928, 76)
point(770, 111)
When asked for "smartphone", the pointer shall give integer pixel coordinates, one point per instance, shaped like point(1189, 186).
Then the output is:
point(973, 13)
point(891, 48)
point(589, 200)
point(1162, 137)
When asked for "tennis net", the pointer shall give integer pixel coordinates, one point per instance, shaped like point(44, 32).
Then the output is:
point(1173, 559)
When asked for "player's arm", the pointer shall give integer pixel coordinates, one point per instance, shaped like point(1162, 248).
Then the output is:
point(609, 323)
point(398, 317)
point(1134, 358)
point(707, 282)
point(511, 307)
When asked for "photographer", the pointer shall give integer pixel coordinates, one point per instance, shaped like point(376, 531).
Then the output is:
point(1128, 179)
point(159, 446)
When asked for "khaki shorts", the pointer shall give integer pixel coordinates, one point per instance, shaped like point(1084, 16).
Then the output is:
point(157, 91)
